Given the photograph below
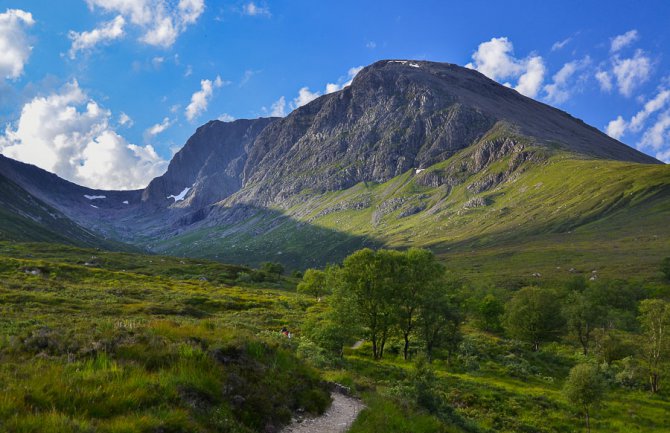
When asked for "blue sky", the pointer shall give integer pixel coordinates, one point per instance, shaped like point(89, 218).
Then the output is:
point(102, 92)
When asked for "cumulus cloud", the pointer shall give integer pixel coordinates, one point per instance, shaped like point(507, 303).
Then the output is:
point(305, 96)
point(160, 22)
point(69, 134)
point(631, 72)
point(619, 126)
point(252, 9)
point(658, 136)
point(616, 128)
point(108, 31)
point(225, 117)
point(650, 107)
point(125, 120)
point(344, 81)
point(158, 127)
point(605, 80)
point(563, 84)
point(496, 60)
point(14, 45)
point(278, 108)
point(200, 99)
point(622, 41)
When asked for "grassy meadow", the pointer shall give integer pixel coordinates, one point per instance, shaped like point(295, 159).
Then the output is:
point(93, 341)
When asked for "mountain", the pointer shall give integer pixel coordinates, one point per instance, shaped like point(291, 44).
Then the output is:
point(411, 153)
point(24, 217)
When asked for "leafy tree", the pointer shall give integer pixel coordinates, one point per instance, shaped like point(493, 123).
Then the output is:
point(665, 267)
point(490, 310)
point(655, 320)
point(371, 279)
point(582, 316)
point(421, 272)
point(440, 319)
point(585, 389)
point(314, 283)
point(531, 315)
point(272, 268)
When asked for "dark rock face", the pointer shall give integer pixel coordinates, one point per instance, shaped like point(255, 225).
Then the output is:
point(399, 115)
point(210, 164)
point(396, 116)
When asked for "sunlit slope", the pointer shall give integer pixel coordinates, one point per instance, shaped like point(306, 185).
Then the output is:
point(571, 211)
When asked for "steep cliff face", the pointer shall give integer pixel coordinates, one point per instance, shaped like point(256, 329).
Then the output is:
point(208, 167)
point(399, 115)
point(402, 155)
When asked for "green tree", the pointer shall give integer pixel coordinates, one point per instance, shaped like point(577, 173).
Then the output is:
point(582, 316)
point(489, 311)
point(439, 319)
point(585, 389)
point(421, 272)
point(655, 320)
point(532, 316)
point(665, 267)
point(314, 283)
point(371, 279)
point(272, 268)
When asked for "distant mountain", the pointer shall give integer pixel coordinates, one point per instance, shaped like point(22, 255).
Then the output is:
point(24, 217)
point(411, 153)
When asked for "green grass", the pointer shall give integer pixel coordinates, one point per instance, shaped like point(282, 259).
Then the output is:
point(138, 343)
point(547, 215)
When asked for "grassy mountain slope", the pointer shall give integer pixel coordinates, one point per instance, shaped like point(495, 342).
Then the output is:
point(527, 211)
point(23, 217)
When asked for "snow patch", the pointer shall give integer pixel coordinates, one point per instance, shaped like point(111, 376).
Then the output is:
point(418, 170)
point(94, 206)
point(415, 65)
point(125, 202)
point(181, 195)
point(405, 62)
point(94, 197)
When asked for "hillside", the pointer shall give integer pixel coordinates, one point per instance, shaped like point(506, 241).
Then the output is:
point(412, 153)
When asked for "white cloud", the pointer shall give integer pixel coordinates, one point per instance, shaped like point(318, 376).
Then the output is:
point(108, 31)
point(495, 59)
point(14, 45)
point(159, 127)
point(125, 120)
point(200, 99)
point(344, 81)
point(605, 80)
point(304, 97)
point(631, 72)
point(562, 85)
point(654, 135)
point(278, 108)
point(254, 10)
point(371, 45)
point(225, 117)
point(622, 41)
point(189, 71)
point(560, 44)
point(616, 128)
point(157, 61)
point(160, 22)
point(650, 107)
point(70, 135)
point(530, 82)
point(657, 137)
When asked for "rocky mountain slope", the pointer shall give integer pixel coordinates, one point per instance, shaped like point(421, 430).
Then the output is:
point(411, 153)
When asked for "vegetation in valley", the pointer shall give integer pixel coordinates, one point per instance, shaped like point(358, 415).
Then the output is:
point(119, 342)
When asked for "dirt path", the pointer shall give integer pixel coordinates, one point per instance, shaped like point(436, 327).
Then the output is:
point(337, 419)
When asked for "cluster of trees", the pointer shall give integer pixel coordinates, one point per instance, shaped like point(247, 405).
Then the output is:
point(384, 293)
point(596, 316)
